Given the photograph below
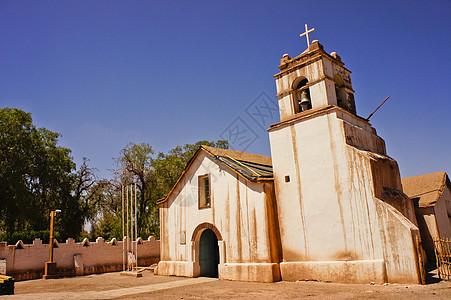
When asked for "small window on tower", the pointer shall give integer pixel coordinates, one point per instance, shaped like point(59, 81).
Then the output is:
point(204, 191)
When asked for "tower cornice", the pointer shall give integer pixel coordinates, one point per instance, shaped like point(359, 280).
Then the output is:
point(312, 113)
point(314, 53)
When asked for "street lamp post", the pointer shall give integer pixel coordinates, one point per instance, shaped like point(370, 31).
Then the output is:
point(50, 266)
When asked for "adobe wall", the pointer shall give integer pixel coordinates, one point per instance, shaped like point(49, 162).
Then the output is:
point(434, 222)
point(343, 193)
point(442, 210)
point(25, 262)
point(428, 229)
point(243, 213)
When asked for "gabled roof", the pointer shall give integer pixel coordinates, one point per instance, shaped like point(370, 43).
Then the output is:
point(253, 167)
point(426, 189)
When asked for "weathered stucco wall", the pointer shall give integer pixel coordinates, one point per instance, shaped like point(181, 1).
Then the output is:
point(442, 211)
point(428, 229)
point(27, 261)
point(324, 191)
point(398, 237)
point(241, 210)
point(446, 196)
point(341, 213)
point(434, 222)
point(335, 181)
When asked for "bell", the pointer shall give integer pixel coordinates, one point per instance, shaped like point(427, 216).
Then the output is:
point(305, 101)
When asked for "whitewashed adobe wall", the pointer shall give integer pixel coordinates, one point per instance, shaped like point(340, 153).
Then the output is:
point(343, 216)
point(241, 210)
point(27, 261)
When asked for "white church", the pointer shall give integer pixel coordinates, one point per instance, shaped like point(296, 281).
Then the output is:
point(328, 205)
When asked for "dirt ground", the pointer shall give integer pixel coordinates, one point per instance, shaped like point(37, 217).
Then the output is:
point(150, 286)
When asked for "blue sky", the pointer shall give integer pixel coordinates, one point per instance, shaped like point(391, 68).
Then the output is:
point(106, 73)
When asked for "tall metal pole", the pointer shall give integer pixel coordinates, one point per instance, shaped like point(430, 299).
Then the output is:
point(128, 238)
point(131, 225)
point(136, 233)
point(123, 227)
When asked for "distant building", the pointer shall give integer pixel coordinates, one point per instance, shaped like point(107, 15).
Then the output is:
point(431, 196)
point(327, 206)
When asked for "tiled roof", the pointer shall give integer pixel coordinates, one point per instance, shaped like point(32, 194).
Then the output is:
point(426, 189)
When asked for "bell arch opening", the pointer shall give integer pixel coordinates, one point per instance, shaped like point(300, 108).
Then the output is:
point(345, 98)
point(340, 91)
point(301, 94)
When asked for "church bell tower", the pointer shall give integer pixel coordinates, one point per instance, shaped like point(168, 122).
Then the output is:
point(311, 80)
point(342, 214)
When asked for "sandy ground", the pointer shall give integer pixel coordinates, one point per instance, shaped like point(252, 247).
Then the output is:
point(150, 286)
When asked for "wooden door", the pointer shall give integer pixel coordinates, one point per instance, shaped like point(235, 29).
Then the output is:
point(208, 254)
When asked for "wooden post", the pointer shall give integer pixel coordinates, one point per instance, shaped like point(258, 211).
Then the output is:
point(50, 270)
point(446, 259)
point(377, 108)
point(52, 216)
point(420, 261)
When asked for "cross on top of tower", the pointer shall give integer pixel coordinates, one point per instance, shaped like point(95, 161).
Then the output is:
point(306, 33)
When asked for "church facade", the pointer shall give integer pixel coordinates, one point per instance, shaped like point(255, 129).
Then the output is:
point(219, 219)
point(328, 205)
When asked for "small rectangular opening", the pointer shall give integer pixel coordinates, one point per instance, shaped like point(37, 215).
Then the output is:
point(204, 191)
point(287, 178)
point(182, 238)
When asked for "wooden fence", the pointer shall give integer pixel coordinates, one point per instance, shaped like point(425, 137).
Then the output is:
point(443, 256)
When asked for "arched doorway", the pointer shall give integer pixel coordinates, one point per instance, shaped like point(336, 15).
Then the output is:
point(208, 254)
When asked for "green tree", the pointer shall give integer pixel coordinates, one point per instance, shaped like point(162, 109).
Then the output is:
point(135, 164)
point(169, 167)
point(106, 222)
point(86, 197)
point(154, 177)
point(35, 177)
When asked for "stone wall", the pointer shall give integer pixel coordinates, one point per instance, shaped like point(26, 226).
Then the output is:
point(27, 261)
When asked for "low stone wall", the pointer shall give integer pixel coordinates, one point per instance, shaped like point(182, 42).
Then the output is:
point(27, 261)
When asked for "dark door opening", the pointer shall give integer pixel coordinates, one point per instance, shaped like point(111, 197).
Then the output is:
point(208, 254)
